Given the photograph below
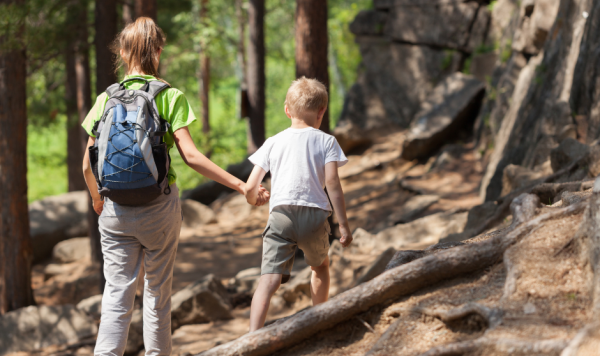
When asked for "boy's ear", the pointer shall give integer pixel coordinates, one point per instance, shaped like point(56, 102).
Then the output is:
point(322, 112)
point(287, 112)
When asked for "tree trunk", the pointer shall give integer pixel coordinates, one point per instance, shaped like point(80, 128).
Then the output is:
point(146, 8)
point(128, 11)
point(256, 74)
point(311, 44)
point(74, 131)
point(204, 71)
point(16, 252)
point(106, 30)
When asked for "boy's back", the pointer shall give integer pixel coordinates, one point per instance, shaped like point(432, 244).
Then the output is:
point(297, 159)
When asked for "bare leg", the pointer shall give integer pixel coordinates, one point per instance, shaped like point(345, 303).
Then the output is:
point(319, 283)
point(267, 286)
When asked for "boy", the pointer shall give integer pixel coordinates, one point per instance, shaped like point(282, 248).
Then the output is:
point(302, 160)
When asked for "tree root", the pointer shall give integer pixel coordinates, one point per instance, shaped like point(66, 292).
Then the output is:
point(539, 186)
point(523, 346)
point(492, 317)
point(403, 280)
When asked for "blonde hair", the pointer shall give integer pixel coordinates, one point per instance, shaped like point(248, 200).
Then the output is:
point(141, 41)
point(306, 95)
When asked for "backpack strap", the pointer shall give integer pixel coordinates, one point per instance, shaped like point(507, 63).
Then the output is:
point(156, 86)
point(111, 90)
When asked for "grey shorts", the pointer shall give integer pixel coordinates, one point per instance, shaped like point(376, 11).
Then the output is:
point(291, 227)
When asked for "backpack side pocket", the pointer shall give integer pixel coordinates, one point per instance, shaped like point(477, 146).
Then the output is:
point(93, 154)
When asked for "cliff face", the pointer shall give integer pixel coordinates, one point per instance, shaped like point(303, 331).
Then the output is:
point(408, 46)
point(538, 59)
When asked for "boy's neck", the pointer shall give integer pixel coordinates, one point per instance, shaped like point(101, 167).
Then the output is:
point(303, 123)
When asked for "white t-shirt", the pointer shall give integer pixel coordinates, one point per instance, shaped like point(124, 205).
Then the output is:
point(297, 159)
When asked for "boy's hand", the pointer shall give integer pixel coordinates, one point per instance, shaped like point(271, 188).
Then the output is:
point(98, 206)
point(263, 196)
point(346, 238)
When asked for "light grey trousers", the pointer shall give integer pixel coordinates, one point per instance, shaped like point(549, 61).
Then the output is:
point(131, 236)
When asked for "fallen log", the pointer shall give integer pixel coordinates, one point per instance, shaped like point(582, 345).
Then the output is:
point(508, 346)
point(397, 282)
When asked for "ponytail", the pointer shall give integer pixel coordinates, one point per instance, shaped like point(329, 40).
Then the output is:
point(141, 42)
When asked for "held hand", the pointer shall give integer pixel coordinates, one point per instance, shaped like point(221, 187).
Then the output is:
point(98, 206)
point(346, 238)
point(263, 196)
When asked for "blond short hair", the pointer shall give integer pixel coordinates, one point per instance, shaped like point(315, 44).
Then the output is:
point(306, 95)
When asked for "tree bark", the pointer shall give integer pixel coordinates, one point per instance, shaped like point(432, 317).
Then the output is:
point(397, 282)
point(146, 8)
point(256, 75)
point(204, 71)
point(106, 31)
point(311, 45)
point(128, 11)
point(74, 131)
point(16, 252)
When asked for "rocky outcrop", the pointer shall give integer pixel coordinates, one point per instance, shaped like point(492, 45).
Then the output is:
point(542, 118)
point(452, 106)
point(34, 328)
point(406, 48)
point(57, 218)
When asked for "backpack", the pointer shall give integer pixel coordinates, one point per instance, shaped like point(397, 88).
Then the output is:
point(130, 159)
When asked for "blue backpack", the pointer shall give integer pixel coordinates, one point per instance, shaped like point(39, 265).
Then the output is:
point(130, 159)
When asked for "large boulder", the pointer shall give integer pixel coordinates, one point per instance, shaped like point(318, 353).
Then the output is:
point(459, 25)
point(72, 250)
point(203, 301)
point(453, 106)
point(568, 152)
point(369, 23)
point(57, 218)
point(516, 177)
point(36, 327)
point(92, 306)
point(209, 192)
point(196, 213)
point(377, 267)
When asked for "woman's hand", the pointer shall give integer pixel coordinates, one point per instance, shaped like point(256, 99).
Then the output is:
point(263, 196)
point(98, 206)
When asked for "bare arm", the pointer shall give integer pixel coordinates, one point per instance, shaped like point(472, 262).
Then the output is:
point(201, 164)
point(334, 188)
point(255, 194)
point(90, 180)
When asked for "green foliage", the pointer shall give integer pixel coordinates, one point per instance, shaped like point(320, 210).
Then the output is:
point(491, 5)
point(448, 58)
point(506, 51)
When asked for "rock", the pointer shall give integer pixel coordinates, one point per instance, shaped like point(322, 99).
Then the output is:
point(403, 257)
point(538, 17)
point(516, 177)
point(135, 339)
point(55, 269)
point(72, 250)
point(429, 229)
point(247, 280)
point(439, 24)
point(483, 65)
point(511, 93)
point(476, 217)
point(203, 301)
point(396, 79)
point(523, 208)
point(453, 106)
point(299, 284)
point(383, 4)
point(232, 209)
point(412, 208)
point(362, 239)
point(369, 22)
point(567, 153)
point(544, 113)
point(36, 327)
point(377, 267)
point(92, 306)
point(585, 96)
point(196, 214)
point(209, 192)
point(570, 198)
point(57, 218)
